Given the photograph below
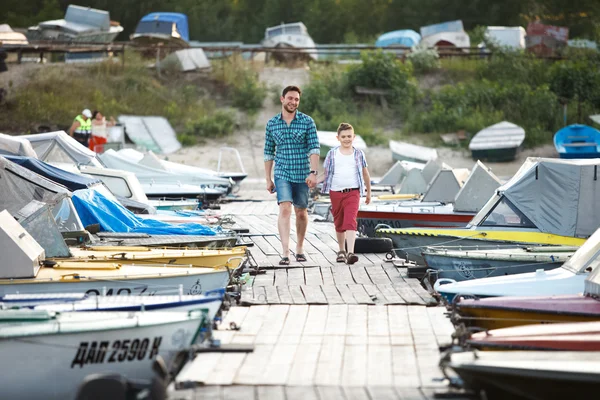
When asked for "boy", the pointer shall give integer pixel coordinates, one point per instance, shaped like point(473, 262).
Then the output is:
point(346, 179)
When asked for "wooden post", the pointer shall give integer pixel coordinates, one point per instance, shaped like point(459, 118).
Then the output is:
point(123, 55)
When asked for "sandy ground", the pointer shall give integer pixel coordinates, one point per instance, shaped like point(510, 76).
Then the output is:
point(249, 143)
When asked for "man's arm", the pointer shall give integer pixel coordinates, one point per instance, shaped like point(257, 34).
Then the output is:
point(74, 126)
point(269, 157)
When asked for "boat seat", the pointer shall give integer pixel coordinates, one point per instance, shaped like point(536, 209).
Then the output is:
point(580, 144)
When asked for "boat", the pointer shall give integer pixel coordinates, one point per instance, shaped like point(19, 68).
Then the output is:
point(10, 38)
point(400, 38)
point(445, 35)
point(328, 140)
point(230, 258)
point(577, 141)
point(402, 151)
point(64, 348)
point(289, 37)
point(505, 312)
point(566, 280)
point(498, 142)
point(547, 202)
point(511, 37)
point(520, 375)
point(169, 28)
point(81, 302)
point(461, 264)
point(81, 24)
point(447, 202)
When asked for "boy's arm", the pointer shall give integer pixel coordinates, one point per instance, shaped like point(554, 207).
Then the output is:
point(367, 179)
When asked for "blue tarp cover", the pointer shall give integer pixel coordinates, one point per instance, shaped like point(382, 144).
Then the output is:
point(179, 19)
point(94, 208)
point(405, 37)
point(70, 180)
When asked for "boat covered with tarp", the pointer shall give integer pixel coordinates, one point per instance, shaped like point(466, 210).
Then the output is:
point(169, 28)
point(401, 38)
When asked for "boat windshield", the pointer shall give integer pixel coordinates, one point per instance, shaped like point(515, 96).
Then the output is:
point(274, 32)
point(163, 27)
point(507, 215)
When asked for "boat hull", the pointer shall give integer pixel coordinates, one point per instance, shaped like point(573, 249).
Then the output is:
point(368, 220)
point(507, 312)
point(507, 154)
point(191, 241)
point(53, 366)
point(462, 269)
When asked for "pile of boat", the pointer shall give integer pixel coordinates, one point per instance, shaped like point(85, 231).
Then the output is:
point(98, 292)
point(520, 279)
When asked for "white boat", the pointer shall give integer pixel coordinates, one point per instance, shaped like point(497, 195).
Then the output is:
point(328, 140)
point(293, 35)
point(446, 35)
point(412, 152)
point(47, 354)
point(566, 280)
point(498, 142)
point(65, 302)
point(81, 24)
point(10, 38)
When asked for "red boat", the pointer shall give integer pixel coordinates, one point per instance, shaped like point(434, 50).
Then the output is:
point(580, 336)
point(505, 312)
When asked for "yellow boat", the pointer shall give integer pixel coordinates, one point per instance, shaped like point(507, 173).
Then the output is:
point(117, 279)
point(231, 258)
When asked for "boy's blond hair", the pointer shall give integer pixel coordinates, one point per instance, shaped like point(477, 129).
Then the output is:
point(344, 126)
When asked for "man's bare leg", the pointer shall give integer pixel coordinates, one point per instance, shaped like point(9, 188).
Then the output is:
point(301, 225)
point(283, 225)
point(341, 238)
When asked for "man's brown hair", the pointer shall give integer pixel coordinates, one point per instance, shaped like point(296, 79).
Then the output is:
point(344, 126)
point(291, 89)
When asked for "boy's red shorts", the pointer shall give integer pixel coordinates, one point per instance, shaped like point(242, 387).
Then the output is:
point(344, 207)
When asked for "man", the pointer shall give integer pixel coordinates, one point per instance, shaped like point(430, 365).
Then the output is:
point(291, 144)
point(81, 129)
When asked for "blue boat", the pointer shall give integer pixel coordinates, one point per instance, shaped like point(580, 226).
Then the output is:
point(577, 141)
point(404, 38)
point(162, 27)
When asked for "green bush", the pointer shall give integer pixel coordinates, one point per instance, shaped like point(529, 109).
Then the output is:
point(424, 59)
point(216, 125)
point(248, 93)
point(511, 66)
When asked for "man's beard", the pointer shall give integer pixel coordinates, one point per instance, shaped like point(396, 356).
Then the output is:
point(288, 109)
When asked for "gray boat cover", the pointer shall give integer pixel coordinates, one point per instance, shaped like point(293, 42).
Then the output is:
point(151, 133)
point(559, 196)
point(431, 169)
point(16, 145)
point(58, 147)
point(413, 183)
point(393, 176)
point(477, 190)
point(444, 186)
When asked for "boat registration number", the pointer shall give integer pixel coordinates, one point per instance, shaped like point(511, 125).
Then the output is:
point(126, 350)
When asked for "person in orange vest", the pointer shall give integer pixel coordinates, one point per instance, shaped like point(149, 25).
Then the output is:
point(81, 128)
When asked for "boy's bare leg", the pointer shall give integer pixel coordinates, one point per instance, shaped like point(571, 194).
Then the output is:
point(283, 225)
point(341, 238)
point(350, 239)
point(301, 225)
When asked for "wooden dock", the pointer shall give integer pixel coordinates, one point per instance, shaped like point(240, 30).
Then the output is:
point(320, 329)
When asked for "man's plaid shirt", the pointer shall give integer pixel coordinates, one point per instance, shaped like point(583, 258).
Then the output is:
point(290, 146)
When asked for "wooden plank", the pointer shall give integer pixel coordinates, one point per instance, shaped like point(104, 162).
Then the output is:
point(297, 295)
point(272, 295)
point(198, 370)
point(273, 324)
point(360, 275)
point(408, 294)
point(202, 392)
point(260, 295)
point(254, 320)
point(266, 279)
point(295, 320)
point(356, 393)
point(296, 276)
point(393, 273)
point(375, 294)
point(254, 364)
point(337, 320)
point(359, 293)
point(225, 370)
point(377, 320)
point(354, 366)
point(427, 298)
point(313, 276)
point(330, 393)
point(404, 367)
point(301, 393)
point(398, 322)
point(281, 277)
point(270, 392)
point(346, 294)
point(357, 320)
point(379, 366)
point(342, 275)
point(313, 294)
point(329, 366)
point(234, 314)
point(316, 320)
point(332, 294)
point(304, 365)
point(277, 370)
point(327, 275)
point(391, 296)
point(285, 297)
point(239, 393)
point(378, 275)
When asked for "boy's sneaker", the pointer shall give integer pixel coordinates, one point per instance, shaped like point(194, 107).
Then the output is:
point(351, 259)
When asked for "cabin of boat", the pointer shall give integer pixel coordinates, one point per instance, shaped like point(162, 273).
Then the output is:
point(292, 35)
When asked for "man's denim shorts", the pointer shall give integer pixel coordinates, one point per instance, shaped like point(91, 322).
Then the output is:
point(296, 193)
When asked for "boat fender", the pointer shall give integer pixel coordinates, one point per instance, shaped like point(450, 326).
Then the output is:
point(442, 281)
